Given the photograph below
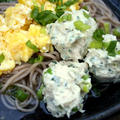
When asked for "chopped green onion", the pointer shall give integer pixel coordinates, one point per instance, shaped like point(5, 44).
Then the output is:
point(61, 2)
point(2, 57)
point(106, 44)
point(70, 2)
point(85, 77)
point(32, 46)
point(42, 7)
point(98, 35)
point(85, 7)
point(36, 60)
point(39, 92)
point(116, 32)
point(107, 28)
point(21, 95)
point(86, 15)
point(49, 71)
point(60, 10)
point(79, 25)
point(75, 109)
point(67, 17)
point(54, 1)
point(96, 44)
point(35, 13)
point(85, 88)
point(46, 17)
point(118, 52)
point(111, 48)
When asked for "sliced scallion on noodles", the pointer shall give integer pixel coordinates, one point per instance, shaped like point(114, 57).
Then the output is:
point(21, 95)
point(116, 32)
point(39, 92)
point(107, 28)
point(36, 60)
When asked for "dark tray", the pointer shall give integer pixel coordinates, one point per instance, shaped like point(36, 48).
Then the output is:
point(97, 108)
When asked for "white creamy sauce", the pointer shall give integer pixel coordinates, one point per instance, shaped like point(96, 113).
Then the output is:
point(105, 68)
point(70, 42)
point(65, 87)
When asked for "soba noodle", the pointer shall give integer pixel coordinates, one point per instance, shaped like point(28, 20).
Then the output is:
point(28, 76)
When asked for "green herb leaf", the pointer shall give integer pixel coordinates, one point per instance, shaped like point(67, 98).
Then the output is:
point(46, 17)
point(107, 28)
point(2, 57)
point(67, 17)
point(86, 15)
point(79, 25)
point(39, 92)
point(21, 95)
point(116, 32)
point(111, 48)
point(36, 60)
point(32, 46)
point(70, 2)
point(97, 35)
point(49, 71)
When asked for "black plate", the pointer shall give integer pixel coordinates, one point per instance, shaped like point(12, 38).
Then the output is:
point(97, 108)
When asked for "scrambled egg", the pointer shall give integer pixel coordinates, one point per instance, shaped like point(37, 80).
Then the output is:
point(18, 16)
point(8, 64)
point(16, 44)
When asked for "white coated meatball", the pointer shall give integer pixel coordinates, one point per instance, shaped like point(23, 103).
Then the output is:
point(66, 84)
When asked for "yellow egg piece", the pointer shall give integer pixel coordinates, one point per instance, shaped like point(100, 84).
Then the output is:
point(17, 16)
point(8, 63)
point(3, 26)
point(39, 37)
point(16, 44)
point(49, 6)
